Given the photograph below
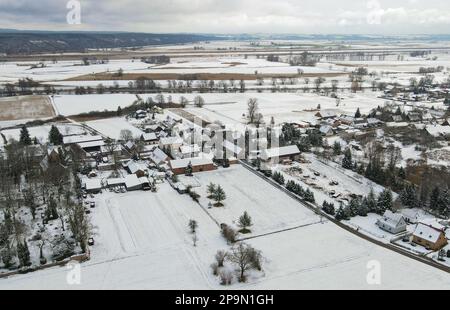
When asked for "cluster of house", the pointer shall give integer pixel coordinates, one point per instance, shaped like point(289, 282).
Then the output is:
point(429, 236)
point(330, 122)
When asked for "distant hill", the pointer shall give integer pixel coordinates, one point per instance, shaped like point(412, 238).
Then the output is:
point(15, 42)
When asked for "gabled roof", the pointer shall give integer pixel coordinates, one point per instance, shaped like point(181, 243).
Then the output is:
point(427, 232)
point(81, 139)
point(392, 219)
point(149, 136)
point(281, 151)
point(196, 161)
point(158, 156)
point(171, 140)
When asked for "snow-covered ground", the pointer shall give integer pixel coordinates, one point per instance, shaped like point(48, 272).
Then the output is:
point(112, 127)
point(42, 132)
point(74, 104)
point(143, 242)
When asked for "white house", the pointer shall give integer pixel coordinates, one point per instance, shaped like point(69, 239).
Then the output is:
point(392, 222)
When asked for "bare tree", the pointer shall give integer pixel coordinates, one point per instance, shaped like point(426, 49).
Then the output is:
point(220, 257)
point(241, 255)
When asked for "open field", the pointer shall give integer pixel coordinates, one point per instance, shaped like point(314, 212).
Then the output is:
point(112, 127)
point(146, 245)
point(26, 107)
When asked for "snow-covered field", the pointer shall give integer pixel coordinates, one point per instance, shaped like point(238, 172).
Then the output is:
point(246, 192)
point(111, 127)
point(42, 132)
point(143, 242)
point(74, 104)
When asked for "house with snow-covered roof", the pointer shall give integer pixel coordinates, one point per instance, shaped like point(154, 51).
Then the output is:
point(392, 222)
point(429, 236)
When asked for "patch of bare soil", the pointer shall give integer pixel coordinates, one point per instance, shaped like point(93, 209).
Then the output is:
point(26, 107)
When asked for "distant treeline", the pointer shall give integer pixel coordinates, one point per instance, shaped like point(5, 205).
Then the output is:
point(17, 43)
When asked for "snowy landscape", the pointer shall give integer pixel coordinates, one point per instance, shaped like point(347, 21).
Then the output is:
point(232, 162)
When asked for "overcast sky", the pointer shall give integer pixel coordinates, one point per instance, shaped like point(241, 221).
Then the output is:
point(235, 16)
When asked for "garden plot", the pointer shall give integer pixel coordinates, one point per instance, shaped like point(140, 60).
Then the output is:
point(270, 209)
point(41, 132)
point(112, 127)
point(74, 104)
point(25, 107)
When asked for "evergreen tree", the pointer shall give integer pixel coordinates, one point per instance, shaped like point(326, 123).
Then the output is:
point(219, 196)
point(55, 137)
point(444, 203)
point(23, 254)
point(245, 221)
point(434, 198)
point(408, 196)
point(363, 208)
point(384, 201)
point(328, 208)
point(337, 149)
point(347, 162)
point(371, 202)
point(119, 111)
point(358, 113)
point(343, 213)
point(309, 196)
point(7, 256)
point(210, 190)
point(354, 206)
point(401, 173)
point(25, 136)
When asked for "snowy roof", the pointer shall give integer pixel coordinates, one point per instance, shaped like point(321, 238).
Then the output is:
point(327, 113)
point(90, 184)
point(325, 129)
point(149, 136)
point(391, 219)
point(188, 149)
point(85, 145)
point(438, 130)
point(144, 180)
point(281, 151)
point(129, 145)
point(171, 140)
point(80, 139)
point(427, 232)
point(196, 161)
point(132, 181)
point(115, 181)
point(158, 156)
point(135, 167)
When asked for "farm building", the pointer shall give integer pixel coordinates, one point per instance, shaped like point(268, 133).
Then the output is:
point(69, 140)
point(158, 157)
point(132, 182)
point(430, 237)
point(199, 164)
point(189, 151)
point(392, 222)
point(326, 130)
point(133, 167)
point(276, 155)
point(150, 138)
point(93, 186)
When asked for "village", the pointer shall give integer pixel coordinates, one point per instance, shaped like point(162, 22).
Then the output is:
point(208, 174)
